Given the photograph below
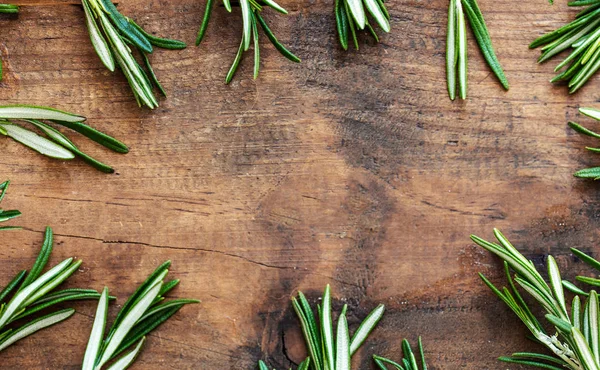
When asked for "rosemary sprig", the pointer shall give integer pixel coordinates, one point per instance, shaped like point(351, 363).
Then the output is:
point(594, 172)
point(409, 361)
point(582, 38)
point(329, 351)
point(6, 215)
point(456, 46)
point(113, 36)
point(351, 16)
point(33, 292)
point(575, 344)
point(55, 144)
point(143, 312)
point(7, 9)
point(251, 18)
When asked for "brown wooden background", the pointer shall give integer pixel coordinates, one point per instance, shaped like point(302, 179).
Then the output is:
point(352, 169)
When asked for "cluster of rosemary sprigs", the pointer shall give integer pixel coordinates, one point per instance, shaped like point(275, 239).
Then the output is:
point(251, 18)
point(582, 37)
point(574, 343)
point(351, 16)
point(6, 215)
point(456, 46)
point(55, 144)
point(333, 350)
point(143, 312)
point(28, 293)
point(594, 172)
point(114, 35)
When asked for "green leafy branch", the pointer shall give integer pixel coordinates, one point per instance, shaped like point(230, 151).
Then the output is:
point(55, 144)
point(456, 46)
point(113, 36)
point(575, 343)
point(33, 292)
point(6, 215)
point(251, 18)
point(143, 312)
point(409, 361)
point(582, 38)
point(351, 16)
point(594, 172)
point(329, 351)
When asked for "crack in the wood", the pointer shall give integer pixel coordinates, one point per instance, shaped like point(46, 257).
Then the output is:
point(262, 264)
point(169, 247)
point(284, 348)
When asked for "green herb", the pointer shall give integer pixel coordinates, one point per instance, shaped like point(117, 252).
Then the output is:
point(113, 35)
point(574, 345)
point(456, 46)
point(33, 292)
point(55, 144)
point(588, 173)
point(582, 38)
point(328, 349)
point(142, 313)
point(409, 361)
point(351, 16)
point(6, 215)
point(251, 18)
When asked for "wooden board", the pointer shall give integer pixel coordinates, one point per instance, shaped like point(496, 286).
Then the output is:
point(352, 169)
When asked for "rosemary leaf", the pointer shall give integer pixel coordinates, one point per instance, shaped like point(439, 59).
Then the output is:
point(451, 50)
point(36, 142)
point(483, 39)
point(461, 39)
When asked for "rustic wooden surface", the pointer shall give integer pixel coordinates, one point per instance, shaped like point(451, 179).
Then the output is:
point(352, 169)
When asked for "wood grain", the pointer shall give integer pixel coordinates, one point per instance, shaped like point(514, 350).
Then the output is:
point(351, 168)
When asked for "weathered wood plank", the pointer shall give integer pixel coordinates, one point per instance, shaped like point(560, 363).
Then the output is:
point(351, 168)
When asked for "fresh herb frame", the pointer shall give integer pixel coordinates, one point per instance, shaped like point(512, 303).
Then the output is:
point(143, 312)
point(55, 144)
point(328, 350)
point(28, 293)
point(594, 172)
point(6, 215)
point(7, 9)
point(408, 362)
point(582, 38)
point(575, 344)
point(456, 46)
point(351, 16)
point(251, 18)
point(114, 36)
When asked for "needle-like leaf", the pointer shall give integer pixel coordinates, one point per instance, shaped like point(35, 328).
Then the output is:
point(342, 344)
point(95, 341)
point(365, 328)
point(36, 142)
